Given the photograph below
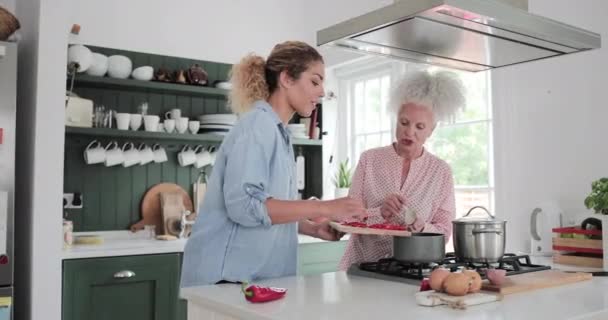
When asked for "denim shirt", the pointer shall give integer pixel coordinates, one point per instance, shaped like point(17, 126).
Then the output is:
point(233, 238)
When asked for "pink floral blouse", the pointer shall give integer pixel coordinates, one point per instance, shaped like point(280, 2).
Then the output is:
point(428, 190)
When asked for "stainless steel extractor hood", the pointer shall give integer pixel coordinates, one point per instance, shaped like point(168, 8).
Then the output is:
point(472, 35)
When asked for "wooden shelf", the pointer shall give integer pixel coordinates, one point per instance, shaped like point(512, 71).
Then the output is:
point(186, 137)
point(147, 86)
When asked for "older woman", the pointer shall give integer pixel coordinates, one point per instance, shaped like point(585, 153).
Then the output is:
point(404, 183)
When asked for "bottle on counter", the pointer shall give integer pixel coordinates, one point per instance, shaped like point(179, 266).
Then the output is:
point(68, 238)
point(300, 173)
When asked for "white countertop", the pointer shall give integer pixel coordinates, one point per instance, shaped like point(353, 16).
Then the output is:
point(126, 243)
point(342, 296)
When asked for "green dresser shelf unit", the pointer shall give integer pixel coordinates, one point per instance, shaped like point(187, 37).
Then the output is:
point(93, 291)
point(112, 195)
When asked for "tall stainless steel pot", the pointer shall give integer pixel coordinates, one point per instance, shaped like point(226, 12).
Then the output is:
point(479, 239)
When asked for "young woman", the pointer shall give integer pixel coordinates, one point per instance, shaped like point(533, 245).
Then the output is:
point(248, 224)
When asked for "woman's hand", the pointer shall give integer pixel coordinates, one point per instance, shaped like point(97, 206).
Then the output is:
point(344, 208)
point(326, 232)
point(392, 206)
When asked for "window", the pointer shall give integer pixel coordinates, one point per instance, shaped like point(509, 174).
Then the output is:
point(371, 123)
point(466, 145)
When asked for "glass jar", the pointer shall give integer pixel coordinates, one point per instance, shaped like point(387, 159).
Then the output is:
point(68, 238)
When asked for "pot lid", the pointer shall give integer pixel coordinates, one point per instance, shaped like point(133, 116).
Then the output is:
point(489, 219)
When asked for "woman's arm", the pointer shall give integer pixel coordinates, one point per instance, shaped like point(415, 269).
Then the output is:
point(286, 211)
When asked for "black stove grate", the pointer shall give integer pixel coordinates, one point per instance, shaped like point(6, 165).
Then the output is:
point(513, 264)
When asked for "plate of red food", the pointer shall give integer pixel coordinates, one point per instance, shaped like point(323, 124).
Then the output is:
point(382, 229)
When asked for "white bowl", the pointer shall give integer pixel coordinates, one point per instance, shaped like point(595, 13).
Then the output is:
point(224, 85)
point(99, 67)
point(119, 67)
point(81, 55)
point(145, 73)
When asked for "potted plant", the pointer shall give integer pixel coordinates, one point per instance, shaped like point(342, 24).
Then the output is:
point(598, 198)
point(342, 180)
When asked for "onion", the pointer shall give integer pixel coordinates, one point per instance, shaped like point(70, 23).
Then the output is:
point(456, 284)
point(437, 277)
point(496, 276)
point(475, 280)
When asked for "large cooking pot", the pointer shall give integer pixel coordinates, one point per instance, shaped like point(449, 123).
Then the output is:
point(479, 239)
point(421, 247)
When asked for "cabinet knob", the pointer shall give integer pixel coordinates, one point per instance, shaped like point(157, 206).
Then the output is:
point(124, 274)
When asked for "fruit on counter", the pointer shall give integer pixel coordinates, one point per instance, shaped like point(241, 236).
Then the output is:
point(437, 277)
point(456, 284)
point(257, 294)
point(496, 276)
point(475, 278)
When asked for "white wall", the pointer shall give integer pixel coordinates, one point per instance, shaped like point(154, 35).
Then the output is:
point(41, 91)
point(551, 124)
point(8, 5)
point(220, 31)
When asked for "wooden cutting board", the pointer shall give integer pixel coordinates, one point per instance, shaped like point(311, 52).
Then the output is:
point(432, 299)
point(536, 280)
point(370, 231)
point(151, 211)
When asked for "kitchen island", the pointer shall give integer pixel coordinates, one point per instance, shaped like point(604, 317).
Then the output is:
point(339, 295)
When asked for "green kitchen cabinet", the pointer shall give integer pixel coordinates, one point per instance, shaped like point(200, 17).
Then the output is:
point(121, 288)
point(319, 257)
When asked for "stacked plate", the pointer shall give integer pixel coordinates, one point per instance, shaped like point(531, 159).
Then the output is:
point(298, 130)
point(217, 123)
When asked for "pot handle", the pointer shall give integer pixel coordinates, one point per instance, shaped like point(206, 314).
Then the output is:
point(478, 231)
point(479, 207)
point(533, 228)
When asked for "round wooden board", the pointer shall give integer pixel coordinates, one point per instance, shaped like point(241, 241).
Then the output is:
point(369, 231)
point(151, 211)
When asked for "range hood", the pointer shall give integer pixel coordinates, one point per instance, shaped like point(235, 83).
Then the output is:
point(472, 35)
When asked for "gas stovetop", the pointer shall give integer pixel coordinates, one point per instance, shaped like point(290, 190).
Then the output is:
point(394, 270)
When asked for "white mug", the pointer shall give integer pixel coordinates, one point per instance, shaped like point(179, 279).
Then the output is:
point(169, 125)
point(122, 121)
point(130, 155)
point(94, 153)
point(186, 157)
point(212, 154)
point(146, 155)
point(114, 155)
point(181, 125)
point(202, 157)
point(173, 114)
point(194, 126)
point(151, 123)
point(135, 121)
point(160, 155)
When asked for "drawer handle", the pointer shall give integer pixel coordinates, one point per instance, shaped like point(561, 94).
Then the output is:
point(124, 274)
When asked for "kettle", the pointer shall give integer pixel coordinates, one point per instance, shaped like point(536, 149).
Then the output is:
point(543, 219)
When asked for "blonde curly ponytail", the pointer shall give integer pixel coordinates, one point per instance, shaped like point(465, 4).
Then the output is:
point(255, 79)
point(248, 83)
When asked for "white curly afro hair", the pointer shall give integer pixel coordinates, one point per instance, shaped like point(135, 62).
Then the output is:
point(442, 92)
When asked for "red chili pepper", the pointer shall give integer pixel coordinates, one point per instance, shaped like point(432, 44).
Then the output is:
point(258, 294)
point(355, 224)
point(387, 226)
